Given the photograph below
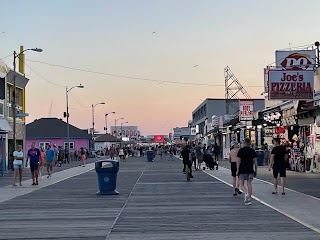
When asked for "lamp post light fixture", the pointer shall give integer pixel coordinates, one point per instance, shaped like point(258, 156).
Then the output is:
point(121, 128)
point(106, 119)
point(67, 113)
point(93, 106)
point(115, 124)
point(15, 56)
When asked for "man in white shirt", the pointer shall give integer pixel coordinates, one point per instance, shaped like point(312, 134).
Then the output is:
point(309, 156)
point(17, 165)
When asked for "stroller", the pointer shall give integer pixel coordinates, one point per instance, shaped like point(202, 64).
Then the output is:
point(210, 161)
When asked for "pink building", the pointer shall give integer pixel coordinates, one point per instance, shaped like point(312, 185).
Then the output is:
point(51, 131)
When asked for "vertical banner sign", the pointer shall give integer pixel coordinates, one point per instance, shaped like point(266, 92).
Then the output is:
point(241, 135)
point(291, 85)
point(246, 110)
point(259, 138)
point(266, 79)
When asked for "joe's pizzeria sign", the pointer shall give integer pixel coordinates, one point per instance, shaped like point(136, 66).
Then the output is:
point(291, 85)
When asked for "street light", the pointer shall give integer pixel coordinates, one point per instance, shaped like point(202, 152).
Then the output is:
point(106, 119)
point(121, 128)
point(93, 106)
point(67, 114)
point(115, 123)
point(15, 56)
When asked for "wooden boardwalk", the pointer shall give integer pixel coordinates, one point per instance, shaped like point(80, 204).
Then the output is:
point(155, 202)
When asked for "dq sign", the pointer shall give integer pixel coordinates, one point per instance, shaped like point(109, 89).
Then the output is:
point(295, 60)
point(246, 110)
point(291, 85)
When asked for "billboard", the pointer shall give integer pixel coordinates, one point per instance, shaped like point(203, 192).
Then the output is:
point(131, 132)
point(295, 60)
point(158, 138)
point(246, 110)
point(291, 85)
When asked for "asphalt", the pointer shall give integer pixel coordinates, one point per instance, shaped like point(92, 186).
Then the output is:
point(307, 183)
point(155, 202)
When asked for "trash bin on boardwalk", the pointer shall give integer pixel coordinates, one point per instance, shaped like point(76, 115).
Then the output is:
point(150, 156)
point(260, 157)
point(107, 171)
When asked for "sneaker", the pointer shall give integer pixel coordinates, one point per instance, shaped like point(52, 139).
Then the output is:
point(33, 184)
point(37, 183)
point(235, 194)
point(248, 203)
point(238, 191)
point(20, 184)
point(191, 176)
point(246, 196)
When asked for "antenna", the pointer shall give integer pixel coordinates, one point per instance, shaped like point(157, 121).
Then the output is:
point(232, 88)
point(50, 110)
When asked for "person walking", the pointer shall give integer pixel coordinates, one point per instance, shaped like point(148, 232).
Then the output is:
point(42, 162)
point(121, 155)
point(234, 160)
point(247, 158)
point(49, 160)
point(186, 159)
point(34, 156)
point(308, 153)
point(216, 150)
point(193, 156)
point(83, 156)
point(56, 154)
point(279, 156)
point(17, 165)
point(199, 155)
point(112, 152)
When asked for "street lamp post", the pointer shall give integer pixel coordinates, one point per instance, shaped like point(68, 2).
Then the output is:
point(15, 56)
point(93, 106)
point(67, 114)
point(121, 132)
point(106, 119)
point(115, 123)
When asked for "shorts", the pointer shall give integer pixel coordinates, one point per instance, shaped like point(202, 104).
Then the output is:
point(200, 159)
point(246, 177)
point(34, 167)
point(49, 164)
point(83, 157)
point(233, 169)
point(17, 166)
point(277, 170)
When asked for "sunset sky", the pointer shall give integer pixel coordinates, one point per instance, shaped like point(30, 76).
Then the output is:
point(160, 40)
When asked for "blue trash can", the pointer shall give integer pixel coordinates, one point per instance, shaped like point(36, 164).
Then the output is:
point(150, 156)
point(260, 157)
point(107, 171)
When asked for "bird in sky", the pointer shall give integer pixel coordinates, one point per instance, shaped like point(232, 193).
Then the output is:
point(153, 32)
point(195, 66)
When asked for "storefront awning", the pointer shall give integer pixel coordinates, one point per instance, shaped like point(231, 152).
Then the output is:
point(4, 125)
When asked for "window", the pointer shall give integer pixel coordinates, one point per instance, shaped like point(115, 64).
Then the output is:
point(1, 108)
point(43, 144)
point(71, 145)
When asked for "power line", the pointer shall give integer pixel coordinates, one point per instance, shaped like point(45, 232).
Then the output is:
point(131, 77)
point(43, 77)
point(77, 101)
point(7, 56)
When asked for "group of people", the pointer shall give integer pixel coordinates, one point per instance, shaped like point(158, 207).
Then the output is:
point(244, 167)
point(38, 159)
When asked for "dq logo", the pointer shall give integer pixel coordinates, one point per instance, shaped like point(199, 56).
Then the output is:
point(297, 61)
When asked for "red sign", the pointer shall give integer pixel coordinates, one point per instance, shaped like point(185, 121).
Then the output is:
point(246, 110)
point(158, 138)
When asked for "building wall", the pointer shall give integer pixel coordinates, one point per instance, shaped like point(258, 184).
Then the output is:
point(59, 142)
point(218, 107)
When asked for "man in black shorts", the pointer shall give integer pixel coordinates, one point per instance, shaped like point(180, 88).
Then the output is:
point(279, 156)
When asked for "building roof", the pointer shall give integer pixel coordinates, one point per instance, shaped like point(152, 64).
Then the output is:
point(107, 138)
point(53, 128)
